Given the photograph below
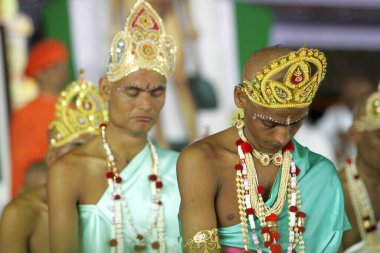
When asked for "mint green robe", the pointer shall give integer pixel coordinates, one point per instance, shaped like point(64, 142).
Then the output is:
point(95, 220)
point(322, 201)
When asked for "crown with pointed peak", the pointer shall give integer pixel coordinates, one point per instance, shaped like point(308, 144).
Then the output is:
point(143, 44)
point(371, 119)
point(79, 110)
point(299, 85)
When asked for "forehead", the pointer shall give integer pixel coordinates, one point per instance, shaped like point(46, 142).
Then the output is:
point(278, 114)
point(143, 77)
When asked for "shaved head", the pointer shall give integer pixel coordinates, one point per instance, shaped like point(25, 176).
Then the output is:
point(260, 58)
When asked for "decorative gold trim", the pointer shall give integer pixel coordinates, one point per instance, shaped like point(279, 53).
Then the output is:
point(204, 241)
point(299, 84)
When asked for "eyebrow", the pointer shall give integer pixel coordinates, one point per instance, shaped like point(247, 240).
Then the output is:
point(135, 86)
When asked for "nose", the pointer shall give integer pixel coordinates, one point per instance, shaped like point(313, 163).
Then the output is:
point(145, 101)
point(282, 136)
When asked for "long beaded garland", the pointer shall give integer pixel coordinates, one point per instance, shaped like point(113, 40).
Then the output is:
point(119, 204)
point(365, 216)
point(251, 202)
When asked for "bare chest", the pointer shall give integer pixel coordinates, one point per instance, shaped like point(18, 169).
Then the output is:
point(226, 201)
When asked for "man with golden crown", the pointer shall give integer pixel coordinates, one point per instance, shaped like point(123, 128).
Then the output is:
point(24, 222)
point(252, 187)
point(118, 192)
point(361, 178)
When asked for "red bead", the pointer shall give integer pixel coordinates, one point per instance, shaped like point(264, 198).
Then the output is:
point(265, 230)
point(276, 235)
point(301, 229)
point(276, 248)
point(293, 209)
point(117, 197)
point(239, 142)
point(297, 171)
point(246, 147)
point(113, 242)
point(152, 177)
point(159, 185)
point(250, 211)
point(289, 146)
point(301, 215)
point(238, 167)
point(260, 189)
point(110, 175)
point(348, 161)
point(267, 244)
point(271, 217)
point(371, 229)
point(118, 180)
point(156, 245)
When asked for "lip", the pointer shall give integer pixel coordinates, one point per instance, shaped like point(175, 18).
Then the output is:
point(143, 118)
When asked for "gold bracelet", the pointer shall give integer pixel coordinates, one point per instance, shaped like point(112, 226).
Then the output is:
point(204, 241)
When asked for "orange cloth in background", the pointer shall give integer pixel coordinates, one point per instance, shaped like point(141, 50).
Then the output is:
point(29, 136)
point(44, 54)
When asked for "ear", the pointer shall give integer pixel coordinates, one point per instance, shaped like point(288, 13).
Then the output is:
point(240, 97)
point(104, 88)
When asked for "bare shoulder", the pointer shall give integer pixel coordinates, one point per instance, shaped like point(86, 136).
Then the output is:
point(24, 210)
point(202, 159)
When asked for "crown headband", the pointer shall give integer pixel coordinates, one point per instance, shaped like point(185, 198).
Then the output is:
point(79, 110)
point(371, 119)
point(143, 44)
point(298, 86)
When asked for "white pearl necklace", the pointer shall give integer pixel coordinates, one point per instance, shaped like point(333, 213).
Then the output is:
point(251, 203)
point(119, 205)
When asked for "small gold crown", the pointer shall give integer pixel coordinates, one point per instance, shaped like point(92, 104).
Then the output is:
point(371, 120)
point(142, 44)
point(299, 84)
point(79, 110)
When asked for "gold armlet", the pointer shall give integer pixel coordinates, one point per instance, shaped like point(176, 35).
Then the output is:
point(204, 241)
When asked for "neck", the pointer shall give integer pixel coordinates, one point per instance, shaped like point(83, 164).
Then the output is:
point(370, 174)
point(256, 146)
point(124, 146)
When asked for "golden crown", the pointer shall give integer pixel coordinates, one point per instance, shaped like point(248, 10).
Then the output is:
point(299, 84)
point(142, 44)
point(79, 110)
point(371, 119)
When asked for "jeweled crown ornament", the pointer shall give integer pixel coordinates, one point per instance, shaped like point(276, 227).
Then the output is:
point(79, 110)
point(371, 119)
point(143, 44)
point(305, 69)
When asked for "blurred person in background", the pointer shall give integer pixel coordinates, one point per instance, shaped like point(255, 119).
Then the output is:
point(47, 64)
point(361, 178)
point(168, 10)
point(24, 222)
point(118, 192)
point(337, 119)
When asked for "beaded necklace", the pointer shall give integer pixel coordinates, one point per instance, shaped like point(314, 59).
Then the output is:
point(119, 204)
point(365, 216)
point(251, 203)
